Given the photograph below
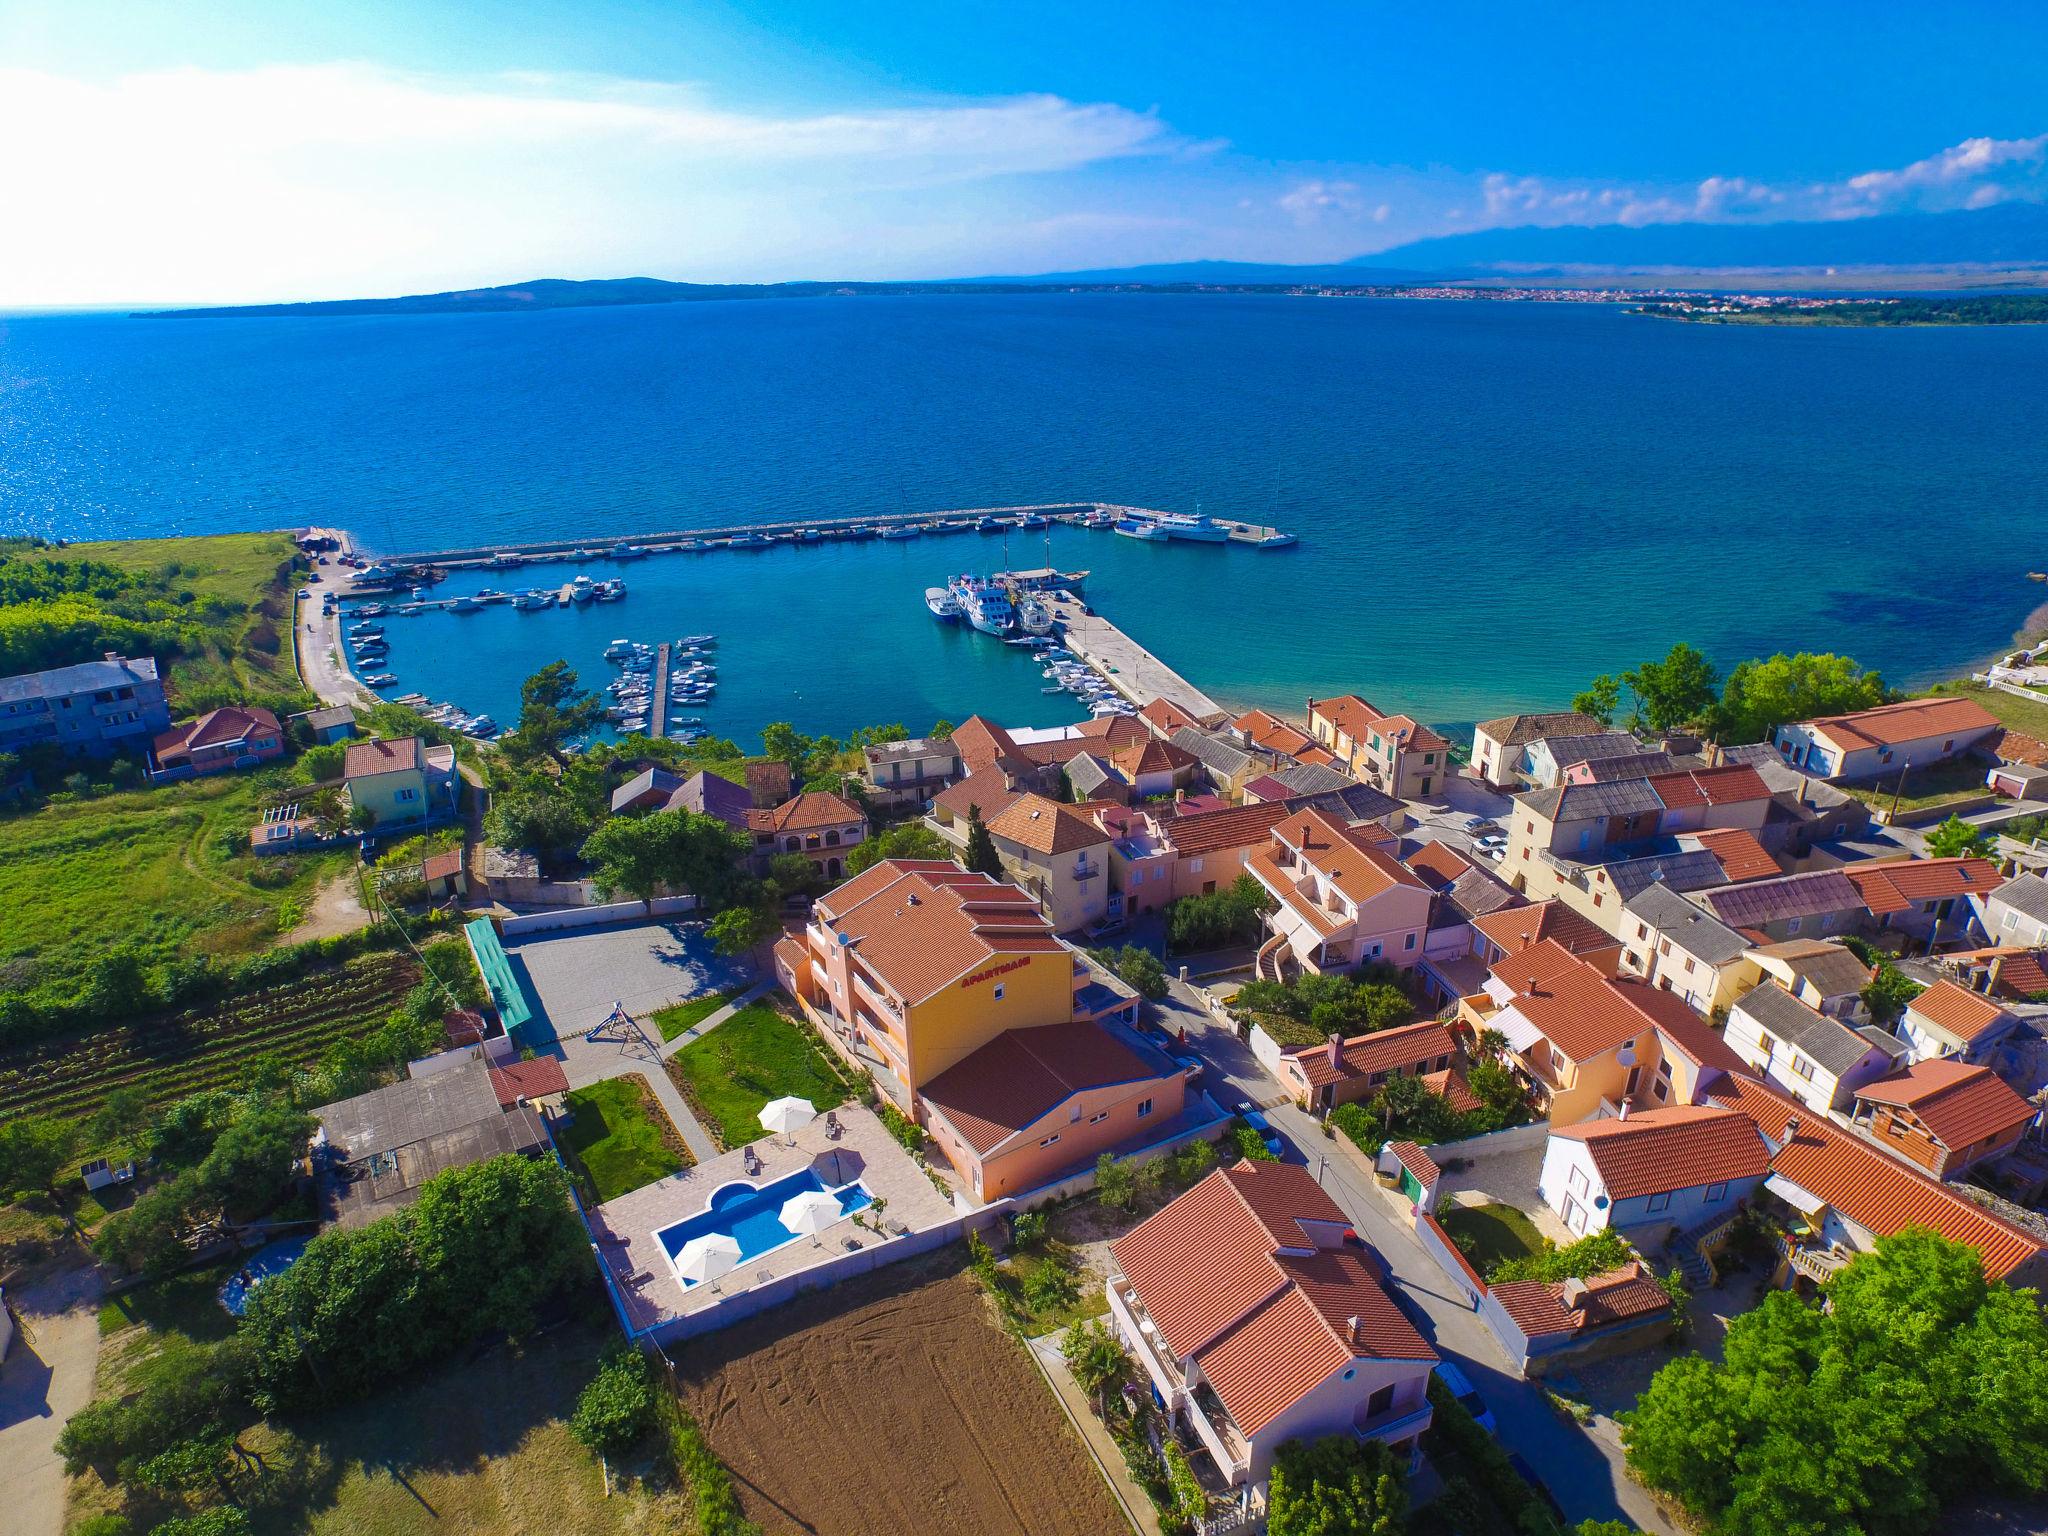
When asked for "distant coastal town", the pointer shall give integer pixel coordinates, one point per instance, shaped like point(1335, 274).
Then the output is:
point(1223, 1092)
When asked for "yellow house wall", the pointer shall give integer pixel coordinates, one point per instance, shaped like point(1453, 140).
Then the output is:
point(961, 1018)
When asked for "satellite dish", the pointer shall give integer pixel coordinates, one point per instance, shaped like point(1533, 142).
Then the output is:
point(1599, 1202)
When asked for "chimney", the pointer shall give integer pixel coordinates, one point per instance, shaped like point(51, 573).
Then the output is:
point(1991, 978)
point(1335, 1048)
point(1791, 1133)
point(1574, 1294)
point(1627, 1102)
point(1351, 1329)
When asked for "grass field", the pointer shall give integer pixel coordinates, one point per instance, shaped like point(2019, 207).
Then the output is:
point(674, 1020)
point(620, 1137)
point(2029, 715)
point(1937, 784)
point(249, 570)
point(148, 867)
point(1498, 1233)
point(756, 1055)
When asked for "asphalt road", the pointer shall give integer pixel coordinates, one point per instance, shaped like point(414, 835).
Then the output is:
point(1586, 1475)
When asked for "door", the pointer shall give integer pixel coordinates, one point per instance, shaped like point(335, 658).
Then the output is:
point(1574, 1214)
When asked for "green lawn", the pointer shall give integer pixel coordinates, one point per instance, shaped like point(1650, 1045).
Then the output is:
point(149, 866)
point(672, 1021)
point(187, 1304)
point(2029, 715)
point(756, 1055)
point(620, 1138)
point(1498, 1233)
point(250, 571)
point(1938, 784)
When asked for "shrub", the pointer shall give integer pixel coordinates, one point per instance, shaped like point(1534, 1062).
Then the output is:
point(1591, 1255)
point(1052, 1286)
point(718, 1507)
point(618, 1405)
point(1028, 1229)
point(1115, 1183)
point(901, 1126)
point(1337, 1483)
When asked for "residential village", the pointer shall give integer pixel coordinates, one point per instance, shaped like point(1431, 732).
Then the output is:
point(1273, 1078)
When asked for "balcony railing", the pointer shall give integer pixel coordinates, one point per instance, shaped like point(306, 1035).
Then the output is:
point(1819, 1265)
point(1086, 869)
point(1395, 1424)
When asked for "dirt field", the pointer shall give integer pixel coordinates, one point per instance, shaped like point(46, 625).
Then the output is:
point(892, 1404)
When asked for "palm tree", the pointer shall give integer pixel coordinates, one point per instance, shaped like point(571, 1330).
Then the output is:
point(1098, 1362)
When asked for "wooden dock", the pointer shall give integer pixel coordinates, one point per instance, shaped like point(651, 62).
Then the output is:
point(657, 716)
point(1126, 665)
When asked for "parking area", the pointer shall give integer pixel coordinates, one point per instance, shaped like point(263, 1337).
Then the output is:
point(575, 978)
point(1508, 1177)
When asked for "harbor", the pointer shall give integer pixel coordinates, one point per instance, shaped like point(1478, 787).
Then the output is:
point(1134, 672)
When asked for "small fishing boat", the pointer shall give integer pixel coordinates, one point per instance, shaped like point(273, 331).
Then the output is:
point(608, 591)
point(747, 541)
point(902, 531)
point(944, 605)
point(1029, 521)
point(1034, 617)
point(382, 679)
point(1140, 528)
point(628, 551)
point(987, 524)
point(582, 589)
point(691, 641)
point(618, 650)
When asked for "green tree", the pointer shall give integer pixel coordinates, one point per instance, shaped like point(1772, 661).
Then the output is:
point(1115, 1183)
point(737, 931)
point(34, 1151)
point(1674, 692)
point(1760, 696)
point(1336, 1486)
point(1601, 698)
point(553, 708)
point(1888, 991)
point(1139, 969)
point(122, 1116)
point(1594, 1254)
point(252, 1161)
point(544, 820)
point(618, 1406)
point(1097, 1360)
point(785, 743)
point(678, 849)
point(910, 840)
point(980, 855)
point(1955, 838)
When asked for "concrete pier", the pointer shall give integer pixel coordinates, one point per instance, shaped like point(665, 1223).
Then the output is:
point(1126, 665)
point(657, 717)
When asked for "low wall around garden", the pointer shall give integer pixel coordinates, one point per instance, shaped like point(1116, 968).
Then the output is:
point(1436, 1242)
point(1516, 1138)
point(592, 917)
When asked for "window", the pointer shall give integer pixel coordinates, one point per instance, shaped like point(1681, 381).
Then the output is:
point(1664, 947)
point(791, 844)
point(1642, 931)
point(1765, 1043)
point(1660, 1202)
point(1803, 1068)
point(407, 794)
point(1097, 1119)
point(2012, 921)
point(1409, 942)
point(1688, 967)
point(1577, 1181)
point(1380, 1401)
point(1048, 1141)
point(999, 991)
point(1144, 1108)
point(1716, 1192)
point(1074, 1112)
point(1792, 925)
point(1194, 866)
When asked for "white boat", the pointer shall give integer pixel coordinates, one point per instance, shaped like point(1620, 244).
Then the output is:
point(902, 531)
point(501, 561)
point(1030, 520)
point(382, 680)
point(1140, 528)
point(1203, 530)
point(1034, 617)
point(986, 605)
point(529, 601)
point(618, 650)
point(1274, 540)
point(689, 641)
point(747, 541)
point(944, 605)
point(582, 589)
point(627, 551)
point(609, 591)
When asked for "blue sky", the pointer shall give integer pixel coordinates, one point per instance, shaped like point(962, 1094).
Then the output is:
point(234, 150)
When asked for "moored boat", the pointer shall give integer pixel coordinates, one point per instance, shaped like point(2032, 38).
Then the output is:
point(943, 604)
point(1141, 528)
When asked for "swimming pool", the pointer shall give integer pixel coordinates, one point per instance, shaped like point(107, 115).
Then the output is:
point(271, 1259)
point(749, 1214)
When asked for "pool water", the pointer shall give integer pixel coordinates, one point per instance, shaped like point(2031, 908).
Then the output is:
point(750, 1214)
point(271, 1259)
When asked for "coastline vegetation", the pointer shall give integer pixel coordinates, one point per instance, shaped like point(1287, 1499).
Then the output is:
point(1984, 309)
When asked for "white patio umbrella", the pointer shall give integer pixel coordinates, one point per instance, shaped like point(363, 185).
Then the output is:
point(812, 1211)
point(708, 1257)
point(785, 1115)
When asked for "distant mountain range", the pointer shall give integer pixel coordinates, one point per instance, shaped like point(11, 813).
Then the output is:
point(2004, 238)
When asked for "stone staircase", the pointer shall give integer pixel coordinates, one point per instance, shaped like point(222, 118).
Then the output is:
point(1693, 1250)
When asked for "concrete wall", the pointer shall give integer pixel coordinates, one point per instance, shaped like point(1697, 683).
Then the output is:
point(1436, 1242)
point(592, 917)
point(1516, 1138)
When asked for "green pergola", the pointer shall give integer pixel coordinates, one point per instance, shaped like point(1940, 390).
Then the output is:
point(507, 996)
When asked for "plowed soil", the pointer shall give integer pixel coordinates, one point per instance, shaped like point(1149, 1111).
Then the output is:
point(892, 1404)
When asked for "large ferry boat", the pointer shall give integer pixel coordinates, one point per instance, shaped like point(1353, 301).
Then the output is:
point(1180, 525)
point(985, 603)
point(943, 604)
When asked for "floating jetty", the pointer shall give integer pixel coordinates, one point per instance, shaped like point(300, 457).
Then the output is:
point(1102, 516)
point(1126, 665)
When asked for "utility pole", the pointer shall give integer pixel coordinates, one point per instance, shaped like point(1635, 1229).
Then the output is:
point(1898, 790)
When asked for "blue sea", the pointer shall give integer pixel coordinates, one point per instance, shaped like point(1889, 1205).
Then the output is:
point(1494, 500)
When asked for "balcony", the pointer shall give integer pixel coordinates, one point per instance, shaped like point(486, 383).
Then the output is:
point(1818, 1264)
point(1086, 869)
point(1225, 1443)
point(880, 1001)
point(1394, 1425)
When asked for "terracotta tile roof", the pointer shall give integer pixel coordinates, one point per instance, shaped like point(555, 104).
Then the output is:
point(1517, 928)
point(1351, 863)
point(1416, 1161)
point(1165, 716)
point(1450, 1086)
point(2018, 747)
point(1023, 1075)
point(1201, 803)
point(1911, 720)
point(1151, 756)
point(1961, 1013)
point(1045, 826)
point(1089, 736)
point(1348, 713)
point(1710, 786)
point(1898, 885)
point(768, 782)
point(1683, 1031)
point(1381, 1051)
point(1871, 1188)
point(1679, 1147)
point(809, 811)
point(362, 759)
point(218, 727)
point(1541, 1308)
point(920, 924)
point(1274, 734)
point(1266, 1325)
point(1439, 864)
point(1238, 826)
point(1411, 733)
point(983, 744)
point(1960, 1105)
point(528, 1080)
point(1581, 1009)
point(2023, 975)
point(1520, 730)
point(1742, 857)
point(440, 866)
point(985, 790)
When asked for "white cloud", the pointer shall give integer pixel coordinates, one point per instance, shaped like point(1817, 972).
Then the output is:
point(1310, 201)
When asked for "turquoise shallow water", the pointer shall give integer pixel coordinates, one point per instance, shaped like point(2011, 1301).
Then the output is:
point(1494, 500)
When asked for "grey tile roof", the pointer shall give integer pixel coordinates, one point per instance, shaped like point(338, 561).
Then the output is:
point(1520, 730)
point(1828, 1042)
point(1566, 750)
point(1478, 892)
point(2027, 894)
point(648, 780)
point(893, 751)
point(1633, 765)
point(327, 719)
point(1624, 797)
point(1684, 870)
point(1088, 773)
point(1220, 755)
point(1770, 901)
point(1313, 779)
point(85, 677)
point(1353, 803)
point(1688, 925)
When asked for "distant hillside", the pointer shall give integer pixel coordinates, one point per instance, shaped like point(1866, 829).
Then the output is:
point(2011, 234)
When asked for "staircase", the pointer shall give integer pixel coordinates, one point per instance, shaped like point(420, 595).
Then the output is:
point(1693, 1250)
point(1268, 967)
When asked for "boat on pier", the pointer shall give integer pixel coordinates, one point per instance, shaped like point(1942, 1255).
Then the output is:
point(1141, 528)
point(1197, 528)
point(985, 603)
point(1043, 579)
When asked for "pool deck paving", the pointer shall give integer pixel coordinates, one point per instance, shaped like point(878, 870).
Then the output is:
point(625, 1228)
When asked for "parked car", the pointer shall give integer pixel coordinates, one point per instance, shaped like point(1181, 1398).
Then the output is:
point(1459, 1385)
point(1249, 1114)
point(1103, 927)
point(1528, 1475)
point(1478, 824)
point(1489, 842)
